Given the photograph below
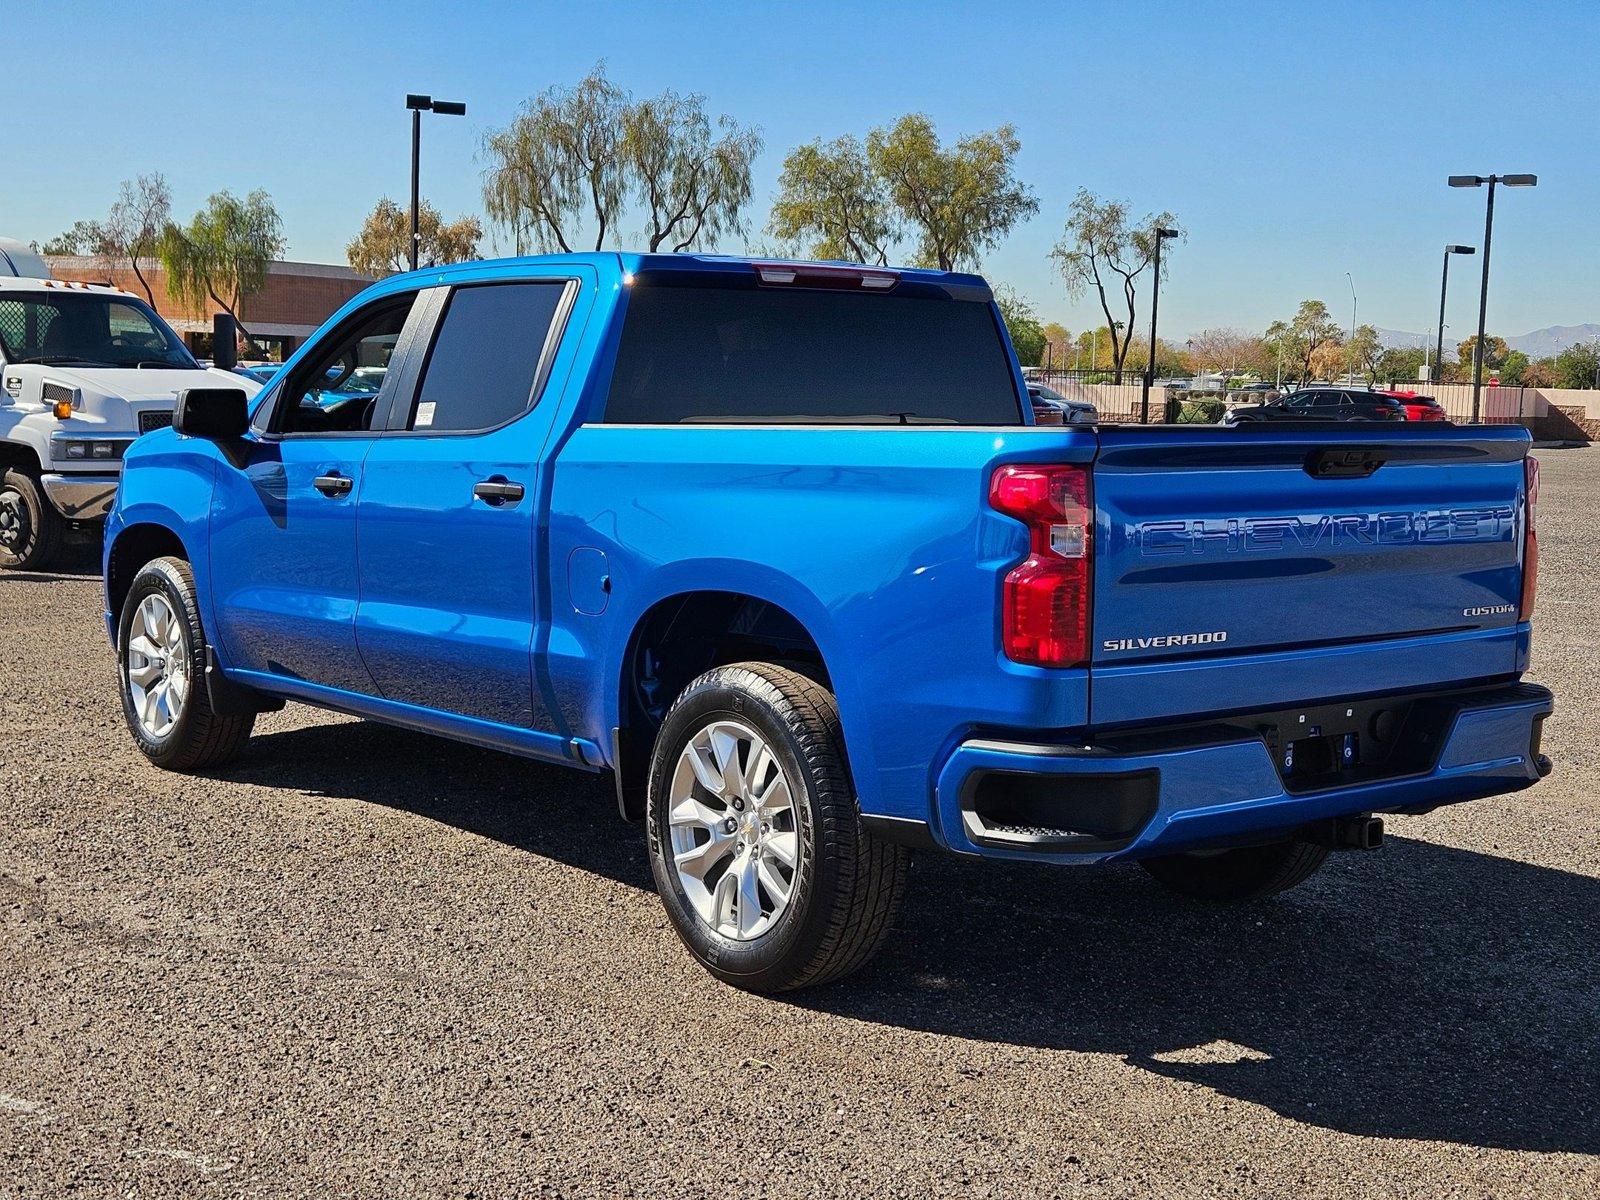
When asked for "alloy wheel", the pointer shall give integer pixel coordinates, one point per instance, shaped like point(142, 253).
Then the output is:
point(734, 830)
point(157, 665)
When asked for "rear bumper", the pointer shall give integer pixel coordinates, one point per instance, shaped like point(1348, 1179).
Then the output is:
point(80, 497)
point(1157, 794)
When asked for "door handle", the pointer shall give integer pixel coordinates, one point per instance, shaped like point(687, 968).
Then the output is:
point(333, 485)
point(498, 490)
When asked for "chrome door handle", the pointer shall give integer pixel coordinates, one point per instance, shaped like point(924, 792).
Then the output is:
point(333, 485)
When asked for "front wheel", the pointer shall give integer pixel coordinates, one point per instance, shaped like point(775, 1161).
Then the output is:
point(1232, 876)
point(161, 649)
point(757, 848)
point(30, 528)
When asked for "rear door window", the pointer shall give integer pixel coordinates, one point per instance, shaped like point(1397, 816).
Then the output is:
point(730, 355)
point(484, 367)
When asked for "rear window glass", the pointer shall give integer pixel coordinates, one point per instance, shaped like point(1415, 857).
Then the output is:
point(729, 355)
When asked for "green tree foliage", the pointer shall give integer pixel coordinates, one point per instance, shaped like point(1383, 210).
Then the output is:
point(1400, 365)
point(1103, 250)
point(959, 201)
point(560, 160)
point(692, 174)
point(383, 245)
point(1363, 351)
point(1577, 366)
point(1027, 335)
point(1059, 346)
point(1298, 340)
point(88, 238)
point(834, 204)
point(1514, 371)
point(573, 157)
point(852, 200)
point(1494, 353)
point(223, 253)
point(132, 231)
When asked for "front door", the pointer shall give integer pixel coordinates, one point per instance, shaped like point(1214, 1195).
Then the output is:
point(283, 522)
point(449, 508)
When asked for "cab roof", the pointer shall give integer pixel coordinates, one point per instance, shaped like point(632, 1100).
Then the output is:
point(801, 272)
point(30, 284)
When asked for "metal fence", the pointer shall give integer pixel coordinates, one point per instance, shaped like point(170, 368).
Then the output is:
point(1120, 403)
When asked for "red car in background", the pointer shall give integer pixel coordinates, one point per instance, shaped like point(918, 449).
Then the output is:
point(1420, 408)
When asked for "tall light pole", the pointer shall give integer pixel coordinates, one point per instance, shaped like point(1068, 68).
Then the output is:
point(1483, 289)
point(419, 105)
point(1444, 283)
point(1350, 358)
point(1155, 303)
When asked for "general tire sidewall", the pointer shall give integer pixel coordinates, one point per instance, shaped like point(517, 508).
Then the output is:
point(158, 576)
point(800, 929)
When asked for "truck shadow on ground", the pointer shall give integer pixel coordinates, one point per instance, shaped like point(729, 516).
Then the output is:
point(1417, 992)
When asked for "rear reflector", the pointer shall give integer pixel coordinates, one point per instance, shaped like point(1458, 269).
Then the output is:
point(1045, 598)
point(1530, 539)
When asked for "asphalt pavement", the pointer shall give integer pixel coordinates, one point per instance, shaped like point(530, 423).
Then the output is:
point(365, 962)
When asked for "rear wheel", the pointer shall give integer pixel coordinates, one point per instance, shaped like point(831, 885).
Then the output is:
point(30, 528)
point(161, 649)
point(1231, 876)
point(757, 848)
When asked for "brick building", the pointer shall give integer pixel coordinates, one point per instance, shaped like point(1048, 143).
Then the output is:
point(296, 299)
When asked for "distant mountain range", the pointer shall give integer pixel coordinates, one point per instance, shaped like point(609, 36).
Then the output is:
point(1541, 343)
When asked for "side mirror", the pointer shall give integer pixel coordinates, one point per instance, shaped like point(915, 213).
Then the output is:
point(218, 414)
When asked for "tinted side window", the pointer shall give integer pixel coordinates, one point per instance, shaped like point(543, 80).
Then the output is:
point(736, 354)
point(485, 359)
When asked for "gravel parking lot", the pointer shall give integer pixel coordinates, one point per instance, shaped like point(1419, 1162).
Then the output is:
point(364, 962)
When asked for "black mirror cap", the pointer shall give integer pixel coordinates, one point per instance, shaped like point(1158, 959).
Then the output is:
point(218, 414)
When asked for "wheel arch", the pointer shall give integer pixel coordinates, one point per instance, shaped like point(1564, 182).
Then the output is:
point(133, 546)
point(682, 635)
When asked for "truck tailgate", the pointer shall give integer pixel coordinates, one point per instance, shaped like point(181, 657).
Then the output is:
point(1240, 568)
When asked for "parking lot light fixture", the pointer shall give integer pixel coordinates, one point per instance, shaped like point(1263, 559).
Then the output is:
point(418, 105)
point(1483, 288)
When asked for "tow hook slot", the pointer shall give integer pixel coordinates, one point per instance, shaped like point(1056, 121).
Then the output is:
point(1344, 462)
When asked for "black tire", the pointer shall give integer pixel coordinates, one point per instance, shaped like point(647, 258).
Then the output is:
point(847, 886)
point(199, 738)
point(1234, 876)
point(30, 527)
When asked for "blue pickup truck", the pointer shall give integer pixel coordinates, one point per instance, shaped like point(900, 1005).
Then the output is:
point(779, 547)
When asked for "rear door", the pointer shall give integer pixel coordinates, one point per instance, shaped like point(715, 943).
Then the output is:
point(1293, 555)
point(450, 500)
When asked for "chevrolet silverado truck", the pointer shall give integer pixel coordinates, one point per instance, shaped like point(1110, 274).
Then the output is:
point(779, 547)
point(84, 370)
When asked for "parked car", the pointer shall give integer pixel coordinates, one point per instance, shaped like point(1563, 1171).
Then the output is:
point(1420, 408)
point(1050, 407)
point(778, 547)
point(86, 369)
point(1322, 404)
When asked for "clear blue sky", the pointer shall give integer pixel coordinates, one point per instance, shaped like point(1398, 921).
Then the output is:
point(1294, 141)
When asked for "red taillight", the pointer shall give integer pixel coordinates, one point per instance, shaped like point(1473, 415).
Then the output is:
point(1530, 538)
point(1045, 600)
